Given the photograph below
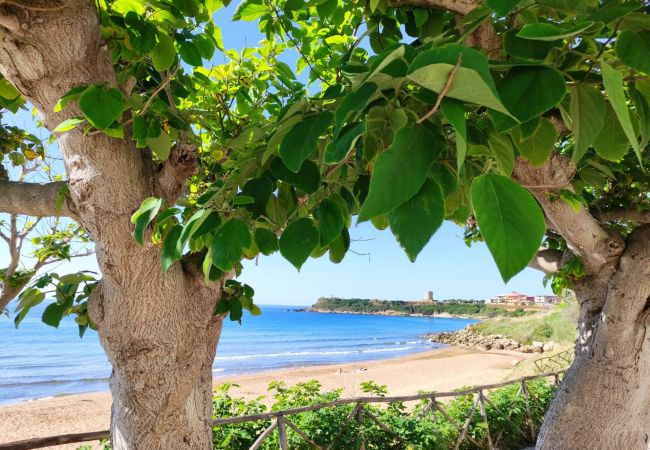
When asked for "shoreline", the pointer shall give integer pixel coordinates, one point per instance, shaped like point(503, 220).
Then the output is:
point(393, 313)
point(216, 376)
point(433, 370)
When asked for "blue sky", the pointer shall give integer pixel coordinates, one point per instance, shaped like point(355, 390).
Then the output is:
point(381, 269)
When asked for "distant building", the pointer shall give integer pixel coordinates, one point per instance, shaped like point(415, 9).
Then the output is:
point(428, 296)
point(518, 298)
point(547, 299)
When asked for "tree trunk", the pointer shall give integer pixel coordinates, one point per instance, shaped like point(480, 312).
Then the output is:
point(162, 376)
point(604, 400)
point(158, 329)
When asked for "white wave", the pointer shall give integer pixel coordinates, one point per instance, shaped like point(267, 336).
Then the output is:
point(311, 353)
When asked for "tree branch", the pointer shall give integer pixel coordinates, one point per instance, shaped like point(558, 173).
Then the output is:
point(181, 164)
point(458, 6)
point(33, 199)
point(483, 36)
point(547, 260)
point(621, 214)
point(584, 235)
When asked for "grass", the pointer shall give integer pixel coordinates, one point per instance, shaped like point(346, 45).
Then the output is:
point(558, 325)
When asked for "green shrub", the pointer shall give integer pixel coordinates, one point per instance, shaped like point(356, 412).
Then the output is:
point(416, 431)
point(413, 428)
point(542, 332)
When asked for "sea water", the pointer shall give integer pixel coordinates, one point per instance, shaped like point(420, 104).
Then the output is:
point(37, 360)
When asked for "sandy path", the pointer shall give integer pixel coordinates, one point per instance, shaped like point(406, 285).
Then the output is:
point(439, 370)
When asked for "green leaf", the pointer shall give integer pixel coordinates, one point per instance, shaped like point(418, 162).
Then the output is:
point(587, 111)
point(190, 53)
point(612, 143)
point(455, 114)
point(266, 241)
point(302, 140)
point(501, 148)
point(528, 129)
point(414, 222)
point(298, 240)
point(400, 171)
point(352, 103)
point(538, 148)
point(502, 7)
point(633, 49)
point(53, 314)
point(643, 111)
point(236, 311)
point(528, 91)
point(143, 217)
point(172, 249)
point(116, 130)
point(229, 243)
point(307, 179)
point(340, 247)
point(330, 221)
point(76, 278)
point(510, 220)
point(27, 299)
point(613, 82)
point(160, 146)
point(209, 270)
point(68, 124)
point(101, 105)
point(550, 32)
point(472, 83)
point(72, 94)
point(526, 48)
point(255, 310)
point(250, 10)
point(338, 150)
point(243, 200)
point(260, 190)
point(164, 54)
point(61, 196)
point(7, 90)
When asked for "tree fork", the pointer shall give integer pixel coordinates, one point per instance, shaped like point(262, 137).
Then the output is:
point(158, 329)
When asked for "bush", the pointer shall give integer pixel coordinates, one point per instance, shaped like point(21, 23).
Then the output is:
point(430, 431)
point(542, 332)
point(417, 429)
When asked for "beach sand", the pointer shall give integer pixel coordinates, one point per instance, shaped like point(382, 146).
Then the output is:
point(439, 370)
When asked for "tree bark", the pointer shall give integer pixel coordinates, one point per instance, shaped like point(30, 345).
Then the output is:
point(603, 400)
point(158, 329)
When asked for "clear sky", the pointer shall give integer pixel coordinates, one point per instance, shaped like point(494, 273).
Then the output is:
point(381, 269)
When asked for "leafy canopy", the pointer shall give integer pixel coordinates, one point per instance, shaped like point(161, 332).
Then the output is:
point(387, 115)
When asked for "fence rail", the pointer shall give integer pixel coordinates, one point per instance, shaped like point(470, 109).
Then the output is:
point(281, 421)
point(554, 362)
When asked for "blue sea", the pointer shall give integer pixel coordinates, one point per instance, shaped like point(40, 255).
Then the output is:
point(40, 361)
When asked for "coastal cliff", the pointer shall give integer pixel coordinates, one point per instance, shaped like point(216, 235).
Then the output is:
point(474, 309)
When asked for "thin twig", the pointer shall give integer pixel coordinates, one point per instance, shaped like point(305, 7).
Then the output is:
point(162, 86)
point(444, 91)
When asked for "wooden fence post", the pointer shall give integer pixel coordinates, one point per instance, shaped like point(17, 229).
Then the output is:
point(481, 400)
point(282, 432)
point(529, 415)
point(360, 423)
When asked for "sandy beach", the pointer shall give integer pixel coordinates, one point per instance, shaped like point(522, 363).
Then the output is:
point(438, 370)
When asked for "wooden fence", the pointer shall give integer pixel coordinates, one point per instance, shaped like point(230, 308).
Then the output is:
point(554, 362)
point(281, 420)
